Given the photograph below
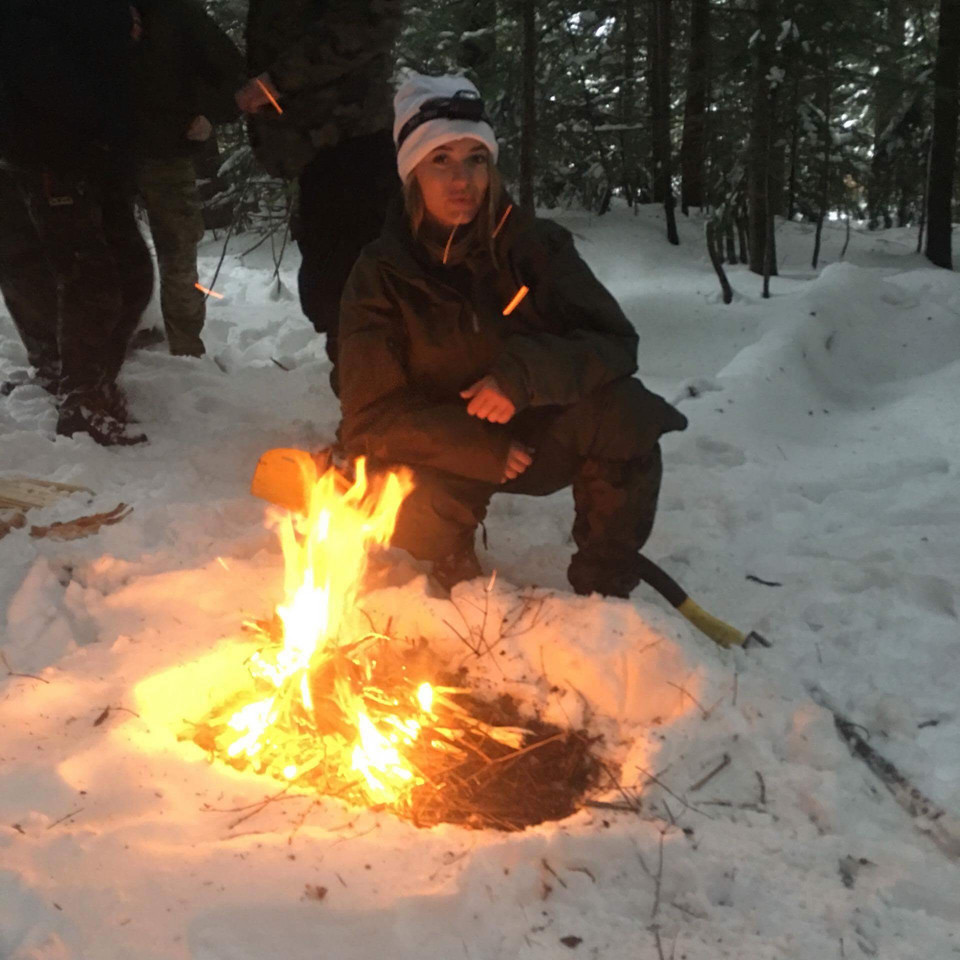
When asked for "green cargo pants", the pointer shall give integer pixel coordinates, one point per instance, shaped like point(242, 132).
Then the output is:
point(169, 192)
point(606, 447)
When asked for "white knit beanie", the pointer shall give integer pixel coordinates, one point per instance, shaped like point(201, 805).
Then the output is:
point(412, 95)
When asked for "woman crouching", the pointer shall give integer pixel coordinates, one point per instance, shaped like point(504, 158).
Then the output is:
point(479, 349)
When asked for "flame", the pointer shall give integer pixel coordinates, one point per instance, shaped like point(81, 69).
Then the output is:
point(325, 557)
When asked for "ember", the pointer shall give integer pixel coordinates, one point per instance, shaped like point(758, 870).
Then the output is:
point(361, 719)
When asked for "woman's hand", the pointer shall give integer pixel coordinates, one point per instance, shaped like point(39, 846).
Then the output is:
point(519, 458)
point(488, 401)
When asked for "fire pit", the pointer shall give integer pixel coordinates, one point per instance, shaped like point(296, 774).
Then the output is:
point(361, 719)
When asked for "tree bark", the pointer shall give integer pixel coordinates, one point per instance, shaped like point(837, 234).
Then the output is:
point(759, 149)
point(888, 89)
point(528, 130)
point(713, 250)
point(693, 149)
point(824, 105)
point(943, 149)
point(660, 121)
point(628, 104)
point(794, 144)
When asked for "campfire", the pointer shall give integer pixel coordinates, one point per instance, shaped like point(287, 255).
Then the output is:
point(371, 720)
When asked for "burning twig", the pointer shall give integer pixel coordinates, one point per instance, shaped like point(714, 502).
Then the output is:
point(355, 719)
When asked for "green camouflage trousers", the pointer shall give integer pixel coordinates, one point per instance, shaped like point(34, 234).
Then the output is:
point(169, 192)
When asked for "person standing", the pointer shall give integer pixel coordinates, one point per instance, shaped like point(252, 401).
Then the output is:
point(186, 70)
point(66, 129)
point(320, 113)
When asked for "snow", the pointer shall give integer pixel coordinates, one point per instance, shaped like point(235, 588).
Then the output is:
point(821, 457)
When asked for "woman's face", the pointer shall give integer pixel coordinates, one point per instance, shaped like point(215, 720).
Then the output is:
point(453, 179)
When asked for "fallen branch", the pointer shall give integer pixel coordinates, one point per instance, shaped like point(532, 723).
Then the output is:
point(13, 673)
point(82, 526)
point(703, 781)
point(66, 816)
point(930, 818)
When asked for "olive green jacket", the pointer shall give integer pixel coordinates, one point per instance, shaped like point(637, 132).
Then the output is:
point(415, 332)
point(331, 60)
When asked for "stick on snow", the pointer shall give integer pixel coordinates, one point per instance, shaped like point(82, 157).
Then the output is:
point(930, 818)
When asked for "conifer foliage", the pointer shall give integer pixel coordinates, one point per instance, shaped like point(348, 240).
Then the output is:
point(745, 111)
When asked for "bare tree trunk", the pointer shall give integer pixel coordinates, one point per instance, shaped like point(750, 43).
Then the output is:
point(743, 239)
point(628, 101)
point(731, 240)
point(923, 205)
point(715, 259)
point(528, 130)
point(593, 118)
point(794, 144)
point(943, 149)
point(888, 89)
point(759, 150)
point(660, 76)
point(693, 149)
point(824, 104)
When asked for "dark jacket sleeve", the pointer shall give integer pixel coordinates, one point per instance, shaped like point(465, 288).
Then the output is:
point(384, 416)
point(65, 70)
point(219, 65)
point(341, 38)
point(594, 342)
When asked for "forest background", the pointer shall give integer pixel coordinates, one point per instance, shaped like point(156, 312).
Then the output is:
point(738, 112)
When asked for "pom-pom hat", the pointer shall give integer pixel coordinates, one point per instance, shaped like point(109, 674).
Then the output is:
point(432, 111)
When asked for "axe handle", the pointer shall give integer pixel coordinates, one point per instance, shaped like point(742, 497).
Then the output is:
point(721, 633)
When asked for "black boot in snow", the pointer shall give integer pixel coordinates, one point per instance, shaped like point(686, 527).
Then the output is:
point(456, 567)
point(100, 412)
point(612, 573)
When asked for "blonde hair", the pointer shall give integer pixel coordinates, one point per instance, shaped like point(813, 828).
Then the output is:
point(485, 220)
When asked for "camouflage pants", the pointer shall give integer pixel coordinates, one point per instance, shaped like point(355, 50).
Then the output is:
point(604, 446)
point(169, 192)
point(26, 280)
point(95, 259)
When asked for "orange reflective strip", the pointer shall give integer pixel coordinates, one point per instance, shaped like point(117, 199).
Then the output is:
point(503, 220)
point(512, 305)
point(270, 96)
point(209, 293)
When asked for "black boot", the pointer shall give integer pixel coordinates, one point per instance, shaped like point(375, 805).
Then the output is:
point(462, 564)
point(100, 412)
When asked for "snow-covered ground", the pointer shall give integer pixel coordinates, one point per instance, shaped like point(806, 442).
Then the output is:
point(821, 458)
